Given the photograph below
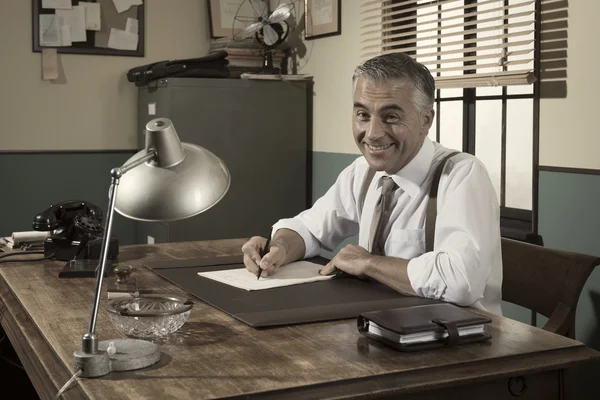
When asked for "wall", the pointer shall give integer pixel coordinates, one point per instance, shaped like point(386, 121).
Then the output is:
point(568, 216)
point(94, 106)
point(331, 61)
point(88, 116)
point(569, 132)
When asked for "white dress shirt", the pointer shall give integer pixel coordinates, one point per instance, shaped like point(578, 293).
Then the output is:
point(465, 266)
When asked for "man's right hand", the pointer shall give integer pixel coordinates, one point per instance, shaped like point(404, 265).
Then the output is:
point(270, 263)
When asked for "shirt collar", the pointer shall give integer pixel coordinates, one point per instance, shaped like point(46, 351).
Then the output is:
point(411, 177)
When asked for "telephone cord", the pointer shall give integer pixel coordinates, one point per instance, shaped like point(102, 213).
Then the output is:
point(17, 253)
point(66, 385)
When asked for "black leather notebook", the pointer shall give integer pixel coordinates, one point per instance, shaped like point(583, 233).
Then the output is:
point(423, 326)
point(339, 298)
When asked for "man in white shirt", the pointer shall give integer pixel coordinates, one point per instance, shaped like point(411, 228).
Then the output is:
point(393, 112)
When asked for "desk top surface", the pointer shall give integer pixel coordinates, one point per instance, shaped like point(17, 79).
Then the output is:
point(214, 355)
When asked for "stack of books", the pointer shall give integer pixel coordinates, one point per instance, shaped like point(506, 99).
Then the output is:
point(246, 56)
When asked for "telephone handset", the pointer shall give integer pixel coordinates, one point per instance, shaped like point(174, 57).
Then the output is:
point(76, 230)
point(68, 216)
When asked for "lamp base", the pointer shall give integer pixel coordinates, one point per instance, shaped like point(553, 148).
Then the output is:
point(129, 354)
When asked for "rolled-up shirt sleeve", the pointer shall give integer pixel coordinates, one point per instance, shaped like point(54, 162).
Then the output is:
point(331, 219)
point(466, 234)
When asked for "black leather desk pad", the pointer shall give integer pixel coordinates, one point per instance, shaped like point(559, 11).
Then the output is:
point(334, 299)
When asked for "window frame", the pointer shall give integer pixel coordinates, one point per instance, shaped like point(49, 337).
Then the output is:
point(515, 223)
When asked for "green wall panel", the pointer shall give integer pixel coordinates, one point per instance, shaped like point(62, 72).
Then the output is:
point(569, 219)
point(326, 168)
point(32, 182)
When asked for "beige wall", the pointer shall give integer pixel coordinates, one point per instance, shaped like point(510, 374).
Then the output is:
point(95, 109)
point(569, 133)
point(569, 128)
point(331, 61)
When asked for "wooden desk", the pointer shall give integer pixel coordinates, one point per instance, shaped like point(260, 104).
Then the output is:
point(215, 356)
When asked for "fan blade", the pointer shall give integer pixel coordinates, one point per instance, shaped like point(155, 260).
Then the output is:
point(260, 8)
point(251, 29)
point(270, 37)
point(281, 13)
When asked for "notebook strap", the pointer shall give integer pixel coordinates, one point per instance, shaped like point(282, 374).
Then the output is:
point(453, 338)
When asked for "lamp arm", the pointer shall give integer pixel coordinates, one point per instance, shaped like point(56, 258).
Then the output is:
point(147, 157)
point(89, 340)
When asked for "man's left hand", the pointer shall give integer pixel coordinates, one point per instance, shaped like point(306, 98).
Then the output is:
point(351, 259)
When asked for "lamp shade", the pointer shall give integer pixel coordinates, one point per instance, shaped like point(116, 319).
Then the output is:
point(181, 181)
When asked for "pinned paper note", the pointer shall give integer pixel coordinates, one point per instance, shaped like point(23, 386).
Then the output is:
point(122, 40)
point(57, 4)
point(53, 33)
point(132, 25)
point(124, 5)
point(49, 64)
point(75, 20)
point(92, 15)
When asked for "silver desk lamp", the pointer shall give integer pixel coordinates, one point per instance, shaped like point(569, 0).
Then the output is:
point(167, 181)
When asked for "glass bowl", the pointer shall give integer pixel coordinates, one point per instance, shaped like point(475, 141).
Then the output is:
point(149, 316)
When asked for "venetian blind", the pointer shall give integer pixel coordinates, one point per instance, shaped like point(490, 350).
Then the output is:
point(464, 43)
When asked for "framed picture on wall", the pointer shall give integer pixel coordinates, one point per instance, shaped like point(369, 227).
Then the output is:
point(228, 18)
point(100, 27)
point(322, 18)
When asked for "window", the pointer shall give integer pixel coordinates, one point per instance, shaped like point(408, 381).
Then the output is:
point(481, 54)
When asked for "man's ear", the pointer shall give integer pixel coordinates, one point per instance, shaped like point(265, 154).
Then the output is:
point(427, 119)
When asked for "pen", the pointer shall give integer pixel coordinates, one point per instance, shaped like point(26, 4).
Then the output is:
point(262, 254)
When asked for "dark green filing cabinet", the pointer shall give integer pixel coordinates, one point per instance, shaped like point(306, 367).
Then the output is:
point(260, 129)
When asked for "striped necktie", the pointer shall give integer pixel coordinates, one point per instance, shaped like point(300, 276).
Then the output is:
point(381, 213)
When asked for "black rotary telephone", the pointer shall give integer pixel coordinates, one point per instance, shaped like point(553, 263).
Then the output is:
point(76, 231)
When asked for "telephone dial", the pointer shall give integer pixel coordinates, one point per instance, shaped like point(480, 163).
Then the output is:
point(76, 231)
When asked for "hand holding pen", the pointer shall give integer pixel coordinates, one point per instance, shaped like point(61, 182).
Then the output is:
point(262, 257)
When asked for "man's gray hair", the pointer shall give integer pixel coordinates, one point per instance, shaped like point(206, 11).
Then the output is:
point(393, 66)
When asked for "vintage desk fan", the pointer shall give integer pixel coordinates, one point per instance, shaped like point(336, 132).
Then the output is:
point(270, 30)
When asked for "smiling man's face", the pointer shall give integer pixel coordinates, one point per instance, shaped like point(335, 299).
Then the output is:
point(388, 129)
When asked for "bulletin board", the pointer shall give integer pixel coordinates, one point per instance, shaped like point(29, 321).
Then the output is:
point(95, 27)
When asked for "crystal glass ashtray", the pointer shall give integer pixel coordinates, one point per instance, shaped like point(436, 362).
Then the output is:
point(149, 316)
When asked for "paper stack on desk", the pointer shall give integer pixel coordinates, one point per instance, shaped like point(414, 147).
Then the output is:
point(291, 274)
point(25, 239)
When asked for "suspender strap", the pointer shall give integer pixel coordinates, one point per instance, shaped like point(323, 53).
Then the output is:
point(432, 204)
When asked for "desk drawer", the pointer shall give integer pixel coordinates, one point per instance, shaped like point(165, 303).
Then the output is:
point(542, 386)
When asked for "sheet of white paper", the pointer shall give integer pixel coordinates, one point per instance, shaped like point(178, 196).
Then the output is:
point(50, 30)
point(291, 274)
point(60, 4)
point(124, 5)
point(49, 64)
point(132, 25)
point(322, 12)
point(65, 35)
point(53, 33)
point(75, 19)
point(92, 15)
point(122, 40)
